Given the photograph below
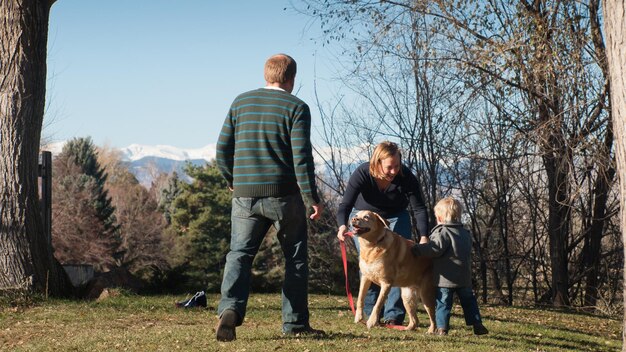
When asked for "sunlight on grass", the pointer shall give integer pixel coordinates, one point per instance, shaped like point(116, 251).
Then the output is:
point(151, 323)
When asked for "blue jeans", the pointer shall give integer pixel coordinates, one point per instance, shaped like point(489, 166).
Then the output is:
point(444, 306)
point(394, 308)
point(251, 218)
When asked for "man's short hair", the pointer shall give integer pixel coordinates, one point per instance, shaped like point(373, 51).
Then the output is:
point(280, 68)
point(449, 210)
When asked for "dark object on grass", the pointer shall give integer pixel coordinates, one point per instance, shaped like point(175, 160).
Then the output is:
point(197, 301)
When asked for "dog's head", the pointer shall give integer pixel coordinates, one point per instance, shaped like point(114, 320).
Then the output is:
point(366, 221)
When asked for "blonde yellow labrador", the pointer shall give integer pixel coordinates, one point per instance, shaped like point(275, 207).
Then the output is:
point(386, 260)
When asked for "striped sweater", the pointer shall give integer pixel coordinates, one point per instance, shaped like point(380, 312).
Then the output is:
point(264, 148)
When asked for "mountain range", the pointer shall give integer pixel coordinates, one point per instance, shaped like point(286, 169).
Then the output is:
point(146, 161)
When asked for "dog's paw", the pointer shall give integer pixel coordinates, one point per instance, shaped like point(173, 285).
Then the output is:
point(371, 322)
point(358, 316)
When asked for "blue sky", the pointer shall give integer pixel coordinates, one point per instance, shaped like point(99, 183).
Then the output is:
point(164, 71)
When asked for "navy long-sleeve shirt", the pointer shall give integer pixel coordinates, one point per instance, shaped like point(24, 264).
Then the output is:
point(363, 193)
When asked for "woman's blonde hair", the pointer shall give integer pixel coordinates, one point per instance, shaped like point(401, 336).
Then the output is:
point(449, 210)
point(383, 151)
point(280, 68)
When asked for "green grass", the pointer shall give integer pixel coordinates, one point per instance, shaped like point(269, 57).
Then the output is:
point(151, 323)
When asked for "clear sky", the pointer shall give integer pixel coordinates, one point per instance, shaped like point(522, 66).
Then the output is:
point(165, 71)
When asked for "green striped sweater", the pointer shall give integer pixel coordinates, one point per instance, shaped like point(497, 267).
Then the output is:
point(264, 148)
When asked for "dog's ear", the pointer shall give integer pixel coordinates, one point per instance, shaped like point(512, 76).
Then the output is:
point(382, 220)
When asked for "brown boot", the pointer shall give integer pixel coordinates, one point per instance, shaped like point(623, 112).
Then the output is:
point(226, 326)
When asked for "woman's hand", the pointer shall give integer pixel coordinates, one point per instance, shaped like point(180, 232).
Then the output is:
point(423, 239)
point(342, 229)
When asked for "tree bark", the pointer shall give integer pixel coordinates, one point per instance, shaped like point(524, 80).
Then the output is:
point(615, 30)
point(558, 227)
point(26, 260)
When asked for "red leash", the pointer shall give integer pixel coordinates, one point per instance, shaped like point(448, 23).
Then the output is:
point(345, 272)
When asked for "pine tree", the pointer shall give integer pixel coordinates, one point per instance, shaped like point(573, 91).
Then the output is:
point(84, 228)
point(200, 227)
point(79, 236)
point(83, 153)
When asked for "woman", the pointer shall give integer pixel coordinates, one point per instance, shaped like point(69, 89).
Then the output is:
point(387, 187)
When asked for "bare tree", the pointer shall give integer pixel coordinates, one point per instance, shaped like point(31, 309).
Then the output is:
point(615, 29)
point(79, 236)
point(141, 225)
point(530, 49)
point(422, 70)
point(26, 260)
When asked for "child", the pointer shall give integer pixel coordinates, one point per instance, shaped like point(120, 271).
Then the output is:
point(450, 247)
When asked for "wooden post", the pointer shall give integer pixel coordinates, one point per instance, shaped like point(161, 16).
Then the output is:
point(45, 172)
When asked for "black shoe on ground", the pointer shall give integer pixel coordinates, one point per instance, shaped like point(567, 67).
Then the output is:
point(480, 329)
point(226, 326)
point(197, 301)
point(305, 331)
point(441, 332)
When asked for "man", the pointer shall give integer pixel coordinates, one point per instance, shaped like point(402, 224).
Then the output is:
point(264, 152)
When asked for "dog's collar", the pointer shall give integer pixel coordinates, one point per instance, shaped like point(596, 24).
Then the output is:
point(381, 238)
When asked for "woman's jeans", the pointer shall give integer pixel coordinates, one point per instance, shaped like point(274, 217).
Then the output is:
point(251, 218)
point(444, 306)
point(394, 308)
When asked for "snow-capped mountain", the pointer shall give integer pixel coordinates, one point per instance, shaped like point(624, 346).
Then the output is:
point(136, 152)
point(146, 161)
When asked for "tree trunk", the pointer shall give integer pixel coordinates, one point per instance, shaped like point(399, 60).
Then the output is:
point(592, 252)
point(26, 260)
point(558, 227)
point(615, 30)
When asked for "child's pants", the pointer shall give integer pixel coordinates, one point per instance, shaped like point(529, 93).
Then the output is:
point(444, 306)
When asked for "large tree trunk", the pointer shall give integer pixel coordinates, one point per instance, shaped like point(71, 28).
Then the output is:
point(558, 223)
point(26, 260)
point(615, 30)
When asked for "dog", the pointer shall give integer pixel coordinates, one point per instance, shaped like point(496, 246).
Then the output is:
point(386, 260)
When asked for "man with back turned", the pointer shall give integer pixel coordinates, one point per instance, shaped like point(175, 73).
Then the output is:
point(264, 152)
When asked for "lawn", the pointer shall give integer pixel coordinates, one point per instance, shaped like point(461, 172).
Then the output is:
point(152, 323)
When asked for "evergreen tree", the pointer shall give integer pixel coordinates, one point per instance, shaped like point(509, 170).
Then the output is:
point(167, 194)
point(79, 235)
point(82, 152)
point(200, 227)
